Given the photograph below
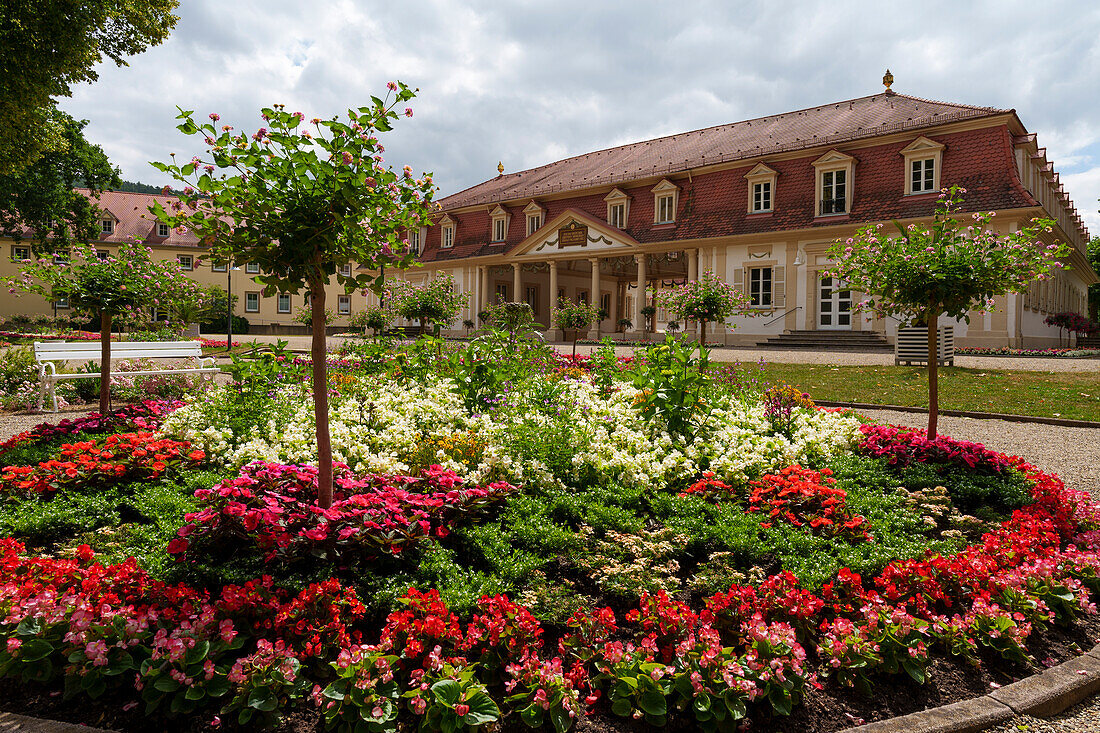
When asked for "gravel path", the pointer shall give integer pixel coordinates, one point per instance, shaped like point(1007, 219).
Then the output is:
point(15, 423)
point(1081, 718)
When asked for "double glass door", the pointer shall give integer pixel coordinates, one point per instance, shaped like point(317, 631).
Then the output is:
point(834, 305)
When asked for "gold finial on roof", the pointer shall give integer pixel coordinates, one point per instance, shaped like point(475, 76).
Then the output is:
point(500, 167)
point(887, 80)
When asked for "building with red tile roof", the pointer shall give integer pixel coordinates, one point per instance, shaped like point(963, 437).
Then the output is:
point(758, 202)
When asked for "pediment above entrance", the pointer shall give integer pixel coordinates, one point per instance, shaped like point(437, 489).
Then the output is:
point(574, 233)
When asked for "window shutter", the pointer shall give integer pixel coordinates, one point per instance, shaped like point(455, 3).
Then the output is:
point(739, 280)
point(778, 287)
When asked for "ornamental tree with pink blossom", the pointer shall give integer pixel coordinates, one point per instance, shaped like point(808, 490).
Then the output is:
point(948, 268)
point(107, 286)
point(708, 299)
point(302, 201)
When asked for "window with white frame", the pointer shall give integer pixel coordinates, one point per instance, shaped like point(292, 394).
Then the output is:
point(219, 268)
point(252, 268)
point(499, 230)
point(616, 215)
point(499, 216)
point(62, 303)
point(922, 175)
point(162, 230)
point(186, 262)
point(834, 192)
point(102, 254)
point(762, 196)
point(448, 237)
point(61, 258)
point(665, 195)
point(343, 305)
point(618, 208)
point(283, 303)
point(534, 223)
point(666, 209)
point(582, 296)
point(414, 241)
point(251, 302)
point(531, 297)
point(835, 173)
point(760, 287)
point(20, 252)
point(761, 186)
point(345, 269)
point(502, 292)
point(923, 158)
point(107, 226)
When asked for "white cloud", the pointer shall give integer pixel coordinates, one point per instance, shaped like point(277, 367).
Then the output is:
point(529, 82)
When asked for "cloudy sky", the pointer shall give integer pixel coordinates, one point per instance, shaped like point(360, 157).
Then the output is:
point(529, 82)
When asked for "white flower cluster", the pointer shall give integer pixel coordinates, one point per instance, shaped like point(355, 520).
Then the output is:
point(385, 425)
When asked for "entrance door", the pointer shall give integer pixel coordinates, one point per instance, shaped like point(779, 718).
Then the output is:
point(834, 306)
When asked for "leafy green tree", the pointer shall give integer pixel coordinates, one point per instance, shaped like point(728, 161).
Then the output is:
point(41, 197)
point(575, 317)
point(708, 299)
point(435, 304)
point(946, 269)
point(47, 47)
point(118, 285)
point(302, 201)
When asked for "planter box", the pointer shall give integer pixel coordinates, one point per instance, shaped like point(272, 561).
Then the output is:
point(190, 332)
point(911, 346)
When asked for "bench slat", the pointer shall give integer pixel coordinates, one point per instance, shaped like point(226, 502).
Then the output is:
point(46, 351)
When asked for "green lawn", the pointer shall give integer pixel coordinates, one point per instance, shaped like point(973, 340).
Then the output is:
point(1074, 395)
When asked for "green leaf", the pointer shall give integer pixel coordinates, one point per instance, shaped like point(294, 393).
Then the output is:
point(448, 692)
point(653, 703)
point(482, 709)
point(622, 707)
point(914, 670)
point(263, 699)
point(194, 693)
point(532, 715)
point(166, 684)
point(560, 718)
point(781, 703)
point(35, 649)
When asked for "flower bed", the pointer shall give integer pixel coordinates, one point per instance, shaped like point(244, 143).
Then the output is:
point(533, 544)
point(1009, 351)
point(147, 414)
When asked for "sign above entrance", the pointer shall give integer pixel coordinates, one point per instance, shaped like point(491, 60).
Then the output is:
point(573, 235)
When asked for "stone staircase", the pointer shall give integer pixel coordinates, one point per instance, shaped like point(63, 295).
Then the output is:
point(828, 341)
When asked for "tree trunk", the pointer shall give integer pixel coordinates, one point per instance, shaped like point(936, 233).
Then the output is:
point(575, 332)
point(318, 352)
point(933, 375)
point(702, 334)
point(104, 362)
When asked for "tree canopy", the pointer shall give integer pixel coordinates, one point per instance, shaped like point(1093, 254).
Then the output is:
point(41, 195)
point(47, 47)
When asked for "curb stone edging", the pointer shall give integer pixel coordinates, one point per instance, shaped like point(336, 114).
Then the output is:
point(10, 723)
point(1041, 695)
point(1059, 421)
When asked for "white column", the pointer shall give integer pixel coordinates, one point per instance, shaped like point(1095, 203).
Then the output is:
point(552, 333)
point(517, 296)
point(594, 296)
point(639, 301)
point(483, 291)
point(693, 265)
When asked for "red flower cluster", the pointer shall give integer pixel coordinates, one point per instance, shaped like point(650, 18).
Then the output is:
point(799, 496)
point(141, 415)
point(97, 463)
point(903, 446)
point(275, 507)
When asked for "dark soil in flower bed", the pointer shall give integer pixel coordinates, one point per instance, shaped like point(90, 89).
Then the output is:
point(832, 708)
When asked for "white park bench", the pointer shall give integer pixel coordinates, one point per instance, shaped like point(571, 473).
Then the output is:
point(47, 352)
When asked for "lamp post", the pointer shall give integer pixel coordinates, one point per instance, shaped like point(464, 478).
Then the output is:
point(229, 268)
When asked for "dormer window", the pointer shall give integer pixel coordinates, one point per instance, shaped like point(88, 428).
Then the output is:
point(535, 215)
point(414, 241)
point(665, 199)
point(618, 208)
point(922, 166)
point(834, 183)
point(107, 226)
point(446, 232)
point(162, 230)
point(761, 182)
point(500, 218)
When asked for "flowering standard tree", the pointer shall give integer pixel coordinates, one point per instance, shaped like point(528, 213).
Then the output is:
point(708, 299)
point(575, 317)
point(110, 286)
point(435, 304)
point(946, 269)
point(302, 202)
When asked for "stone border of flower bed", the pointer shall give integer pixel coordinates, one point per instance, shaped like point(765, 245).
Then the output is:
point(25, 724)
point(1060, 421)
point(1042, 695)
